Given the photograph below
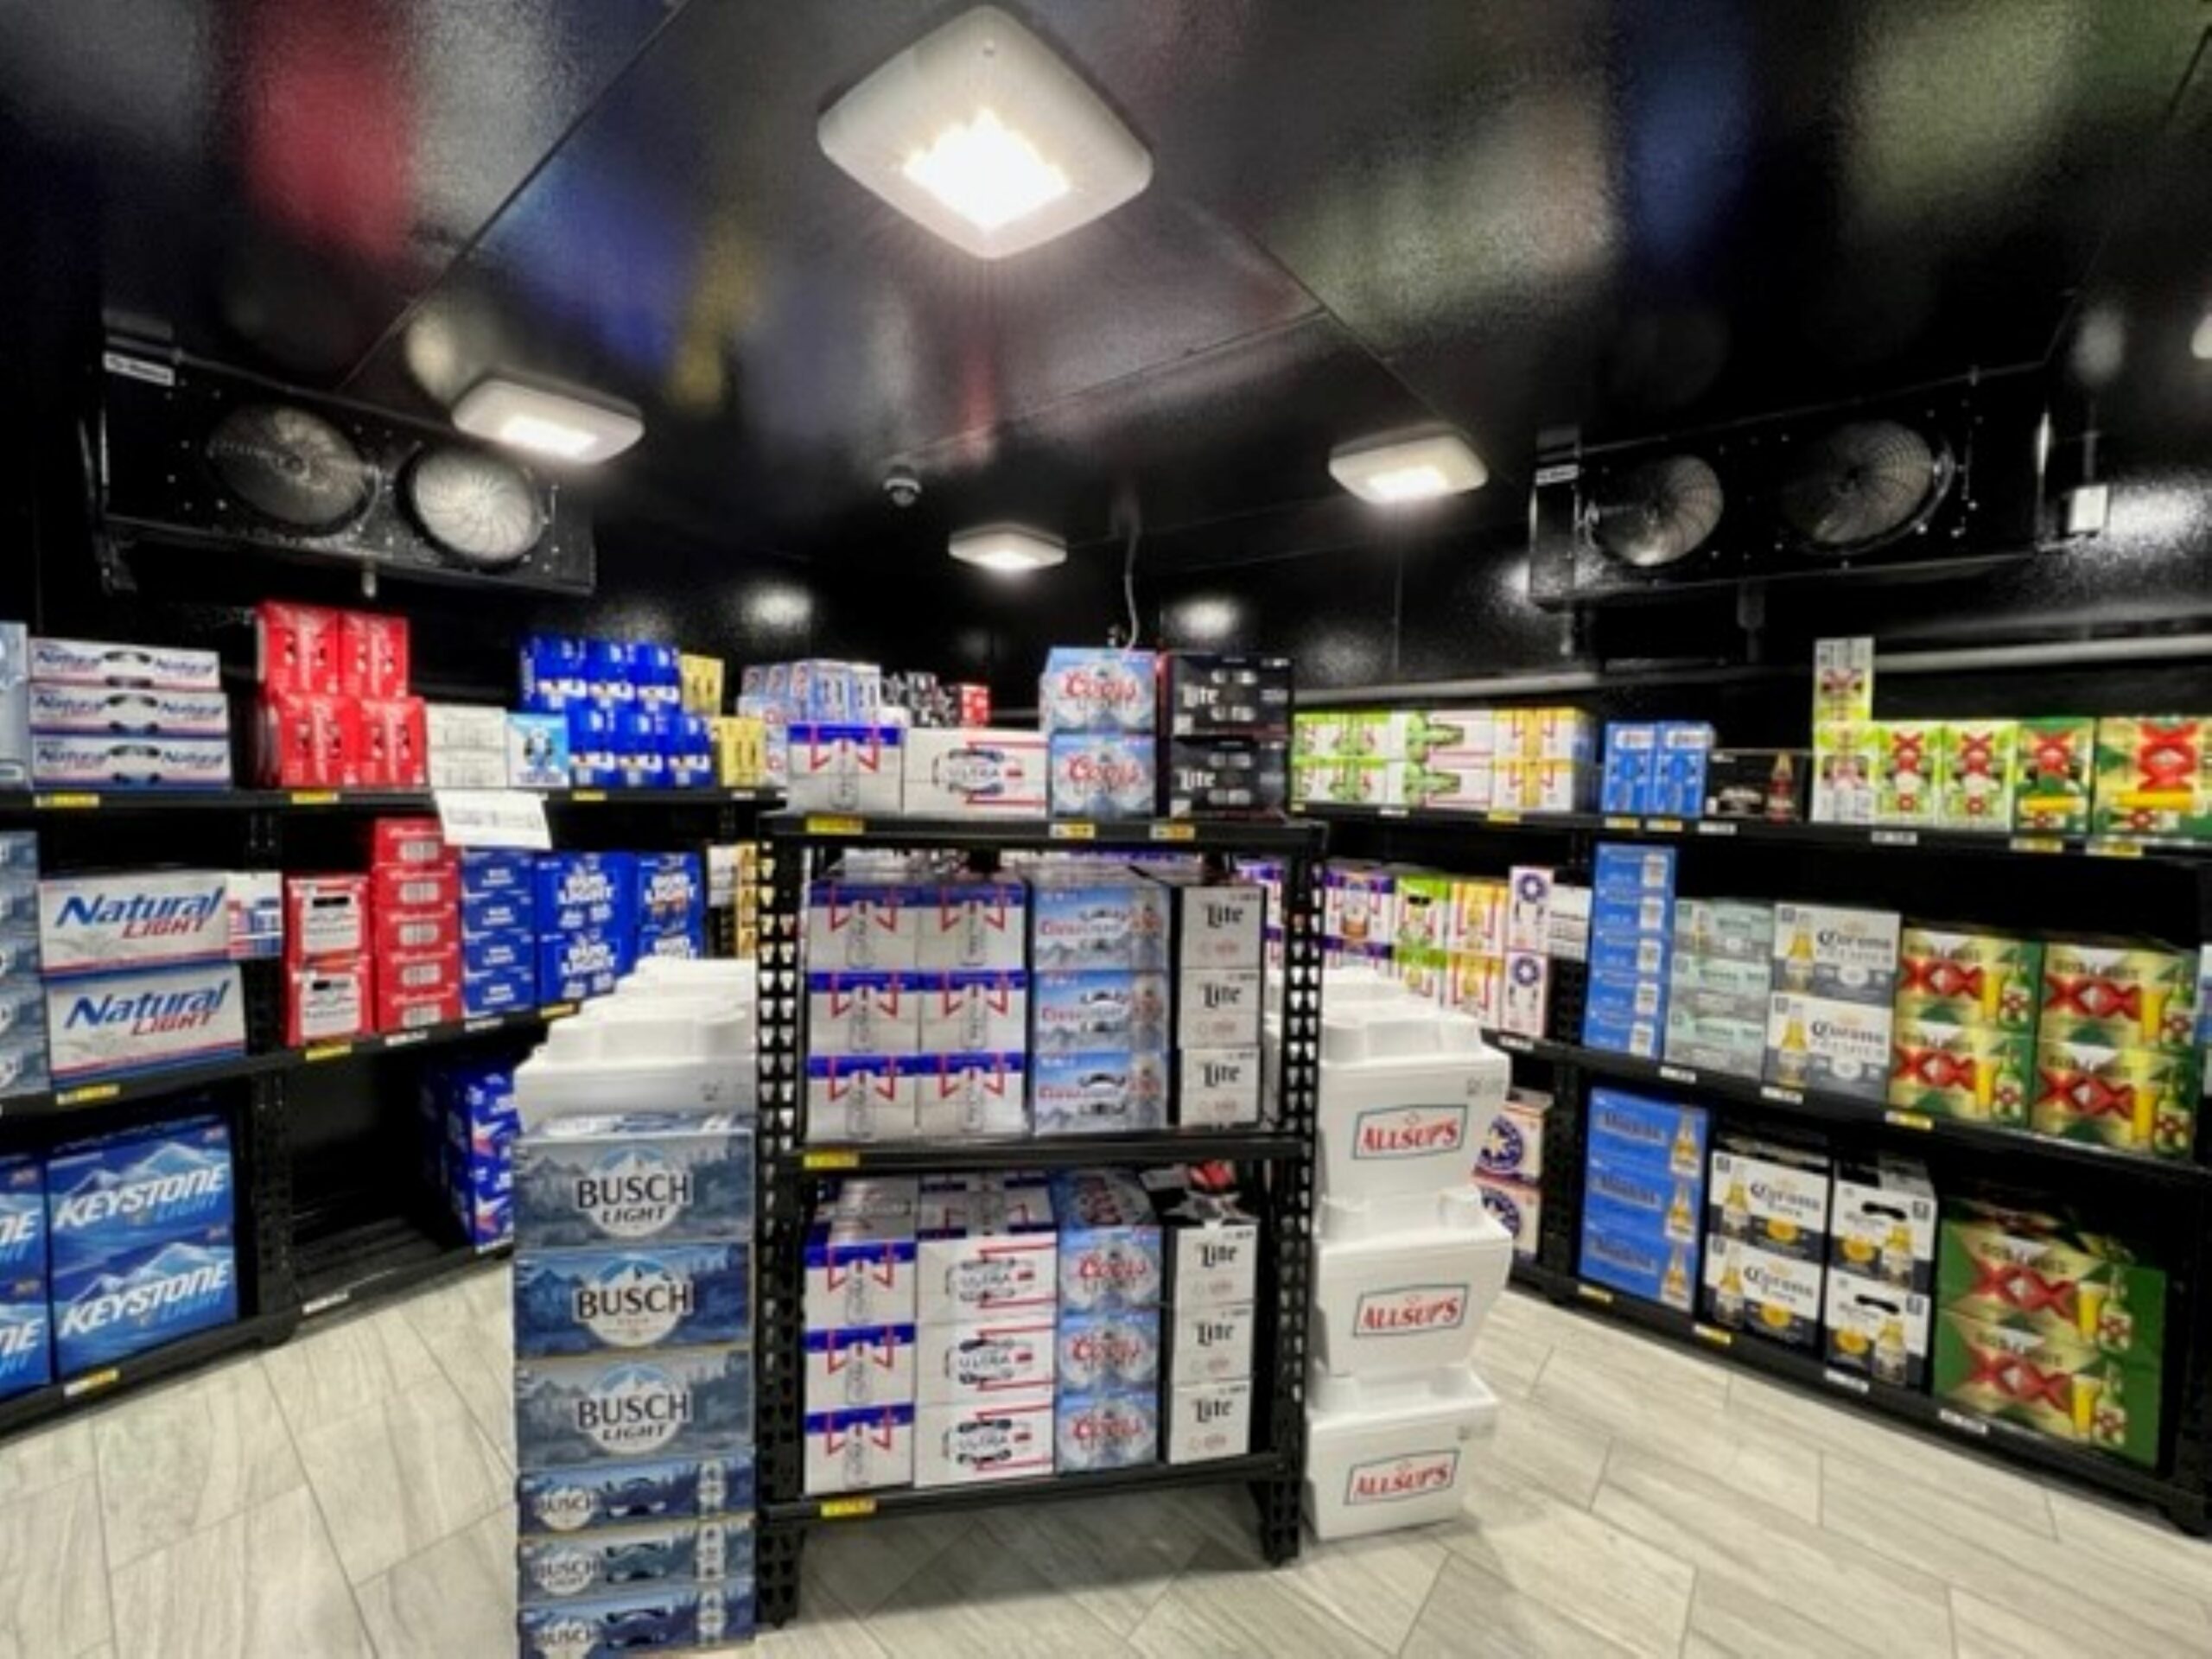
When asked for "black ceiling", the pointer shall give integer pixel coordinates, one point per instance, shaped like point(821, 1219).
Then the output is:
point(1513, 216)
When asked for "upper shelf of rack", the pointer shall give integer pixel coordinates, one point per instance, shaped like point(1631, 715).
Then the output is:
point(1289, 835)
point(19, 802)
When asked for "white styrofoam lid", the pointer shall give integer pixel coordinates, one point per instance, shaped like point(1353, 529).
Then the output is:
point(675, 1036)
point(1404, 1218)
point(1356, 1404)
point(1409, 1029)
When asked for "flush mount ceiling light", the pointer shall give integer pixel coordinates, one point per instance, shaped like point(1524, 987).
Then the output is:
point(1408, 467)
point(1007, 548)
point(557, 424)
point(977, 132)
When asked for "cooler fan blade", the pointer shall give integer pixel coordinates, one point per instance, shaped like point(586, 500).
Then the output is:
point(1863, 485)
point(480, 509)
point(1660, 514)
point(291, 466)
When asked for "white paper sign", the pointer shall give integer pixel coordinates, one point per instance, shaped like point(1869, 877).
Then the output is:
point(494, 818)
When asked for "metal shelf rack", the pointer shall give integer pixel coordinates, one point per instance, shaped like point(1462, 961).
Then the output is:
point(1281, 1156)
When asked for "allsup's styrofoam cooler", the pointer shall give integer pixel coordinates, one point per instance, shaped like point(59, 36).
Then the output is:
point(1408, 1093)
point(1392, 1452)
point(667, 1055)
point(1404, 1292)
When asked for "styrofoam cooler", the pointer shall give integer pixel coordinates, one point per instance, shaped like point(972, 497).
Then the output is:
point(1396, 1290)
point(666, 1054)
point(1387, 1453)
point(1408, 1093)
point(1341, 988)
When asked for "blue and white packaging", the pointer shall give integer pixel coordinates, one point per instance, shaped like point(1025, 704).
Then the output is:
point(1108, 1349)
point(1005, 1437)
point(537, 751)
point(580, 890)
point(859, 1449)
point(122, 1192)
point(85, 762)
point(1630, 750)
point(22, 1220)
point(18, 850)
point(594, 762)
point(15, 706)
point(485, 870)
point(660, 1402)
point(1097, 776)
point(501, 990)
point(1679, 767)
point(74, 710)
point(955, 1095)
point(644, 1296)
point(484, 1221)
point(1641, 1266)
point(553, 673)
point(1615, 1000)
point(1616, 914)
point(1632, 1128)
point(22, 1008)
point(863, 1014)
point(1645, 1038)
point(116, 1023)
point(498, 951)
point(662, 1176)
point(594, 1496)
point(1109, 1242)
point(860, 1097)
point(106, 662)
point(666, 1619)
point(1624, 870)
point(860, 1272)
point(1115, 1428)
point(585, 963)
point(974, 1011)
point(19, 955)
point(107, 1309)
point(1099, 1093)
point(863, 926)
point(1090, 690)
point(670, 889)
point(971, 925)
point(23, 1065)
point(1086, 920)
point(26, 1336)
point(687, 942)
point(858, 1365)
point(1098, 1010)
point(560, 1567)
point(1629, 955)
point(131, 920)
point(483, 913)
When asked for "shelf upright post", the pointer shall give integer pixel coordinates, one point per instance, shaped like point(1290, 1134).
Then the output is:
point(2192, 1453)
point(780, 1224)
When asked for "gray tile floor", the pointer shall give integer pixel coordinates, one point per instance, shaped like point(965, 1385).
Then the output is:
point(348, 1495)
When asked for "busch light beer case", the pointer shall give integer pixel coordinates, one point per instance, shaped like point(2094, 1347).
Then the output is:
point(570, 1567)
point(646, 1296)
point(591, 1496)
point(664, 1618)
point(654, 1403)
point(620, 1179)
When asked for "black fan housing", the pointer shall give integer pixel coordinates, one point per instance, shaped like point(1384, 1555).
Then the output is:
point(1863, 485)
point(1659, 513)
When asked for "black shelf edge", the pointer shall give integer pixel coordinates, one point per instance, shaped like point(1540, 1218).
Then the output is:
point(1812, 1107)
point(980, 1495)
point(1055, 1152)
point(1286, 835)
point(171, 1359)
point(345, 1283)
point(57, 803)
point(149, 1085)
point(1808, 1375)
point(1811, 836)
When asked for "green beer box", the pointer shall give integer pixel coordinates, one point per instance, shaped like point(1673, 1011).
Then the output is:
point(1966, 977)
point(2053, 774)
point(2035, 1273)
point(1424, 914)
point(2126, 993)
point(2137, 1100)
point(1975, 1072)
point(2053, 1383)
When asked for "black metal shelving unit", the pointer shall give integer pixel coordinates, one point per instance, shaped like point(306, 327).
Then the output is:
point(293, 1265)
point(1281, 1155)
point(1916, 870)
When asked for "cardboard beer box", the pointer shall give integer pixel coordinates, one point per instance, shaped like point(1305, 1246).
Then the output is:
point(1977, 770)
point(2151, 776)
point(1513, 1150)
point(2053, 774)
point(1767, 783)
point(2120, 993)
point(2037, 1273)
point(1877, 1329)
point(1477, 923)
point(1844, 954)
point(1774, 1197)
point(1881, 1223)
point(1738, 930)
point(1908, 776)
point(1751, 1288)
point(1424, 918)
point(1845, 758)
point(1517, 1207)
point(1625, 784)
point(1475, 986)
point(1815, 1042)
point(1966, 977)
point(2131, 1099)
point(1976, 1072)
point(1843, 680)
point(1453, 739)
point(2053, 1382)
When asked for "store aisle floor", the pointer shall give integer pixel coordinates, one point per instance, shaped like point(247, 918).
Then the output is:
point(348, 1495)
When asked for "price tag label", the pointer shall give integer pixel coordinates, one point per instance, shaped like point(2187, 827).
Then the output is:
point(484, 1022)
point(65, 803)
point(1077, 830)
point(587, 797)
point(557, 1010)
point(90, 1094)
point(314, 797)
point(1516, 1045)
point(1617, 821)
point(836, 826)
point(1895, 838)
point(1502, 815)
point(1713, 1334)
point(2037, 845)
point(1845, 1381)
point(1590, 1293)
point(2116, 850)
point(324, 1303)
point(1679, 1074)
point(846, 1509)
point(1663, 826)
point(1715, 827)
point(1909, 1121)
point(1781, 1096)
point(829, 1157)
point(92, 1382)
point(408, 1038)
point(494, 1246)
point(1961, 1421)
point(1174, 832)
point(325, 1051)
point(494, 818)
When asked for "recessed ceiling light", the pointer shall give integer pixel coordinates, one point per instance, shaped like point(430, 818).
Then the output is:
point(1007, 548)
point(557, 424)
point(1412, 467)
point(978, 133)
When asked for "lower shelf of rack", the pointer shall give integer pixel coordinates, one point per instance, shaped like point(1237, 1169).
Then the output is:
point(924, 1500)
point(38, 1406)
point(2186, 1506)
point(387, 1257)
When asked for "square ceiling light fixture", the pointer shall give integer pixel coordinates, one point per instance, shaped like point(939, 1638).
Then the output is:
point(978, 133)
point(1408, 467)
point(557, 424)
point(1007, 548)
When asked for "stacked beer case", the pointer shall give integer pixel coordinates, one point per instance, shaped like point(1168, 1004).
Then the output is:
point(498, 932)
point(634, 1383)
point(22, 995)
point(858, 1311)
point(1631, 940)
point(1643, 1191)
point(1209, 1316)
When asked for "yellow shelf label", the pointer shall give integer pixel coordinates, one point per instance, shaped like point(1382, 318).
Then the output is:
point(588, 796)
point(2116, 850)
point(65, 803)
point(830, 1158)
point(91, 1095)
point(1663, 826)
point(2037, 845)
point(846, 1509)
point(1590, 1293)
point(314, 797)
point(1502, 815)
point(1174, 832)
point(1616, 821)
point(828, 826)
point(325, 1051)
point(1909, 1120)
point(1073, 831)
point(557, 1010)
point(92, 1382)
point(1712, 1334)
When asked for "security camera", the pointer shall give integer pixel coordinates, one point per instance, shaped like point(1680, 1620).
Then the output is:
point(902, 486)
